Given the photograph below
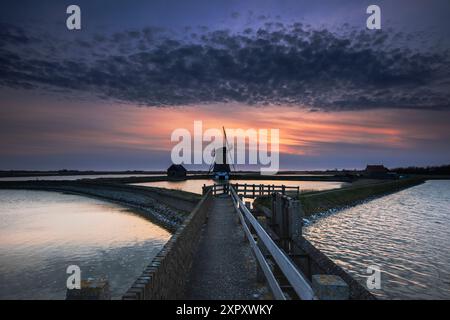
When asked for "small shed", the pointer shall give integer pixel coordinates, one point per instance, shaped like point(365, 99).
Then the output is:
point(377, 171)
point(376, 168)
point(176, 171)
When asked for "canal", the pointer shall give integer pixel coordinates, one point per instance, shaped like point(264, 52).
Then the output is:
point(406, 234)
point(42, 233)
point(195, 186)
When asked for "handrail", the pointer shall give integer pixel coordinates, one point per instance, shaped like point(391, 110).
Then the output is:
point(265, 185)
point(251, 190)
point(273, 284)
point(292, 274)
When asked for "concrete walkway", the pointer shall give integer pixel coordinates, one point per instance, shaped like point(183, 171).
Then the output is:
point(224, 267)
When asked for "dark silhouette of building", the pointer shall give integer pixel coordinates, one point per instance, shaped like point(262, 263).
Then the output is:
point(379, 171)
point(176, 171)
point(376, 168)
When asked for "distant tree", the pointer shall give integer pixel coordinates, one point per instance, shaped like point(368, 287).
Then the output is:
point(430, 170)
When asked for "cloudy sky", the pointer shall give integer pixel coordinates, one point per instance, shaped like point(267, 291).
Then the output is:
point(109, 96)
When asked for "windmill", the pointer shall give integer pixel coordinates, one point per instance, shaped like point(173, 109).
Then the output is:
point(221, 167)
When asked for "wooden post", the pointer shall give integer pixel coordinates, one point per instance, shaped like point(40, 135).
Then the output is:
point(91, 289)
point(283, 221)
point(271, 220)
point(295, 218)
point(330, 287)
point(277, 212)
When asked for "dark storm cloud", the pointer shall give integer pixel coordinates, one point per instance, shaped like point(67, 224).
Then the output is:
point(12, 35)
point(275, 64)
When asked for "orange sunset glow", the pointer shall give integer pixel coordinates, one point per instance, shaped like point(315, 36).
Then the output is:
point(68, 127)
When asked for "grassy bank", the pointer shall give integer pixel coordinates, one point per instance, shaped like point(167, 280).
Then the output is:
point(174, 193)
point(320, 201)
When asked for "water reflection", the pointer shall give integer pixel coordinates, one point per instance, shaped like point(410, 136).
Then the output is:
point(41, 233)
point(195, 186)
point(77, 177)
point(407, 234)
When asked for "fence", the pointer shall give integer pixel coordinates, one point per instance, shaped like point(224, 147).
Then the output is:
point(265, 243)
point(252, 190)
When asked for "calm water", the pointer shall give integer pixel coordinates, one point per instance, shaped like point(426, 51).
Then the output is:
point(41, 233)
point(195, 186)
point(77, 177)
point(407, 234)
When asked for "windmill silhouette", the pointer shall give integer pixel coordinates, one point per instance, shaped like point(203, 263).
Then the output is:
point(221, 167)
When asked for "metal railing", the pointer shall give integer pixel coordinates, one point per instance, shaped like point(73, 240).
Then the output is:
point(252, 190)
point(257, 190)
point(217, 189)
point(295, 278)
